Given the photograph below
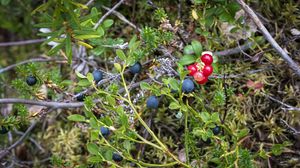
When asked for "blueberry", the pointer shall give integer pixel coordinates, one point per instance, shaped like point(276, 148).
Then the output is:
point(80, 97)
point(152, 102)
point(98, 75)
point(188, 86)
point(208, 141)
point(3, 130)
point(216, 130)
point(116, 157)
point(135, 68)
point(104, 131)
point(31, 80)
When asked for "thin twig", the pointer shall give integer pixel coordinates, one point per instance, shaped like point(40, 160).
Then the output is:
point(17, 43)
point(32, 140)
point(107, 14)
point(293, 130)
point(6, 151)
point(288, 107)
point(60, 105)
point(268, 36)
point(122, 17)
point(29, 61)
point(89, 2)
point(235, 50)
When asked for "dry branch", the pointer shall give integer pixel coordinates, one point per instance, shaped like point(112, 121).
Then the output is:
point(268, 37)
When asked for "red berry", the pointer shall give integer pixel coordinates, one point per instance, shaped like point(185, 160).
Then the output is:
point(198, 76)
point(203, 81)
point(192, 68)
point(207, 59)
point(207, 70)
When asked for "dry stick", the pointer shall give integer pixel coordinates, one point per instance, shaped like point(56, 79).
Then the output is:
point(108, 13)
point(122, 17)
point(235, 50)
point(25, 42)
point(6, 151)
point(28, 61)
point(59, 105)
point(268, 36)
point(288, 107)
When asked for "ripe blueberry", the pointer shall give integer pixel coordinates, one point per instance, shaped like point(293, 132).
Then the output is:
point(216, 130)
point(31, 80)
point(188, 86)
point(80, 97)
point(3, 130)
point(152, 102)
point(98, 75)
point(116, 157)
point(135, 68)
point(104, 131)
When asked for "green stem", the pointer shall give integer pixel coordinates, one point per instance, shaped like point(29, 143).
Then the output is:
point(165, 149)
point(186, 138)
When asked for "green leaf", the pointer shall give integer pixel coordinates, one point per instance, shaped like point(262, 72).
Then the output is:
point(197, 47)
point(90, 77)
point(55, 49)
point(127, 145)
point(173, 84)
point(84, 44)
point(94, 159)
point(92, 148)
point(111, 100)
point(242, 133)
point(107, 23)
point(215, 117)
point(100, 31)
point(5, 2)
point(120, 54)
point(174, 105)
point(145, 86)
point(76, 117)
point(205, 116)
point(80, 75)
point(86, 36)
point(84, 83)
point(69, 48)
point(188, 50)
point(132, 41)
point(118, 67)
point(187, 59)
point(79, 5)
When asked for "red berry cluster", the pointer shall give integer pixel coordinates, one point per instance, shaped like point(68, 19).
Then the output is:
point(201, 71)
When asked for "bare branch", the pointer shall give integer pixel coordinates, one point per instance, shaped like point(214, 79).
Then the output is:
point(28, 61)
point(268, 36)
point(123, 18)
point(288, 107)
point(61, 105)
point(5, 152)
point(17, 43)
point(235, 50)
point(107, 14)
